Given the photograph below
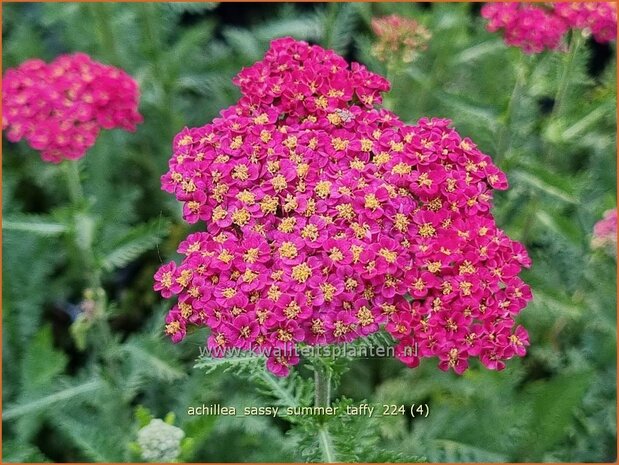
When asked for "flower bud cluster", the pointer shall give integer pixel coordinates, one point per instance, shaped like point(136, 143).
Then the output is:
point(399, 38)
point(160, 442)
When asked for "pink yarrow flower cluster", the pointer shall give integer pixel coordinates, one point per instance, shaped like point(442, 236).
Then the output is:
point(60, 107)
point(605, 231)
point(327, 218)
point(536, 27)
point(600, 18)
point(399, 38)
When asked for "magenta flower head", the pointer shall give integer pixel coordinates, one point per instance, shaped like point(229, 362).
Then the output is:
point(599, 18)
point(537, 27)
point(605, 232)
point(60, 107)
point(327, 218)
point(532, 28)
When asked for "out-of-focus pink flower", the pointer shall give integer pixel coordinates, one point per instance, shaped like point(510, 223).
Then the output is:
point(60, 107)
point(600, 18)
point(399, 38)
point(329, 218)
point(605, 231)
point(541, 26)
point(532, 28)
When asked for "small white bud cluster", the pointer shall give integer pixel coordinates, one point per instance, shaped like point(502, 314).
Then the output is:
point(159, 441)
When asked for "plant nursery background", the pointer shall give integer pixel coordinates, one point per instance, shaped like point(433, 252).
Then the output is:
point(82, 380)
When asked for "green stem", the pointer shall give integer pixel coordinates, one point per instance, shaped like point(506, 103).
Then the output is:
point(83, 223)
point(322, 386)
point(103, 28)
point(326, 445)
point(322, 398)
point(83, 231)
point(560, 97)
point(74, 185)
point(394, 71)
point(330, 19)
point(388, 101)
point(435, 75)
point(504, 139)
point(529, 220)
point(152, 34)
point(564, 83)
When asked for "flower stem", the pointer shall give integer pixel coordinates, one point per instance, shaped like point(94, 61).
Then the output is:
point(83, 223)
point(564, 83)
point(388, 101)
point(322, 398)
point(529, 221)
point(322, 386)
point(84, 226)
point(72, 174)
point(326, 445)
point(152, 33)
point(330, 19)
point(504, 140)
point(103, 28)
point(560, 97)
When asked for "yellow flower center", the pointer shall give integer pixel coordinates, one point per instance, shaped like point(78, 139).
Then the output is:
point(371, 202)
point(328, 291)
point(284, 335)
point(345, 211)
point(173, 328)
point(186, 309)
point(274, 293)
point(288, 250)
point(261, 119)
point(322, 189)
point(241, 217)
point(246, 197)
point(236, 143)
point(292, 310)
point(240, 172)
point(336, 254)
point(251, 255)
point(229, 292)
point(434, 267)
point(279, 183)
point(166, 279)
point(301, 272)
point(365, 317)
point(225, 256)
point(467, 268)
point(310, 232)
point(424, 180)
point(427, 230)
point(389, 255)
point(318, 326)
point(249, 276)
point(184, 278)
point(339, 144)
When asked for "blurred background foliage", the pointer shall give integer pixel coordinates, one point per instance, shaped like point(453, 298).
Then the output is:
point(81, 366)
